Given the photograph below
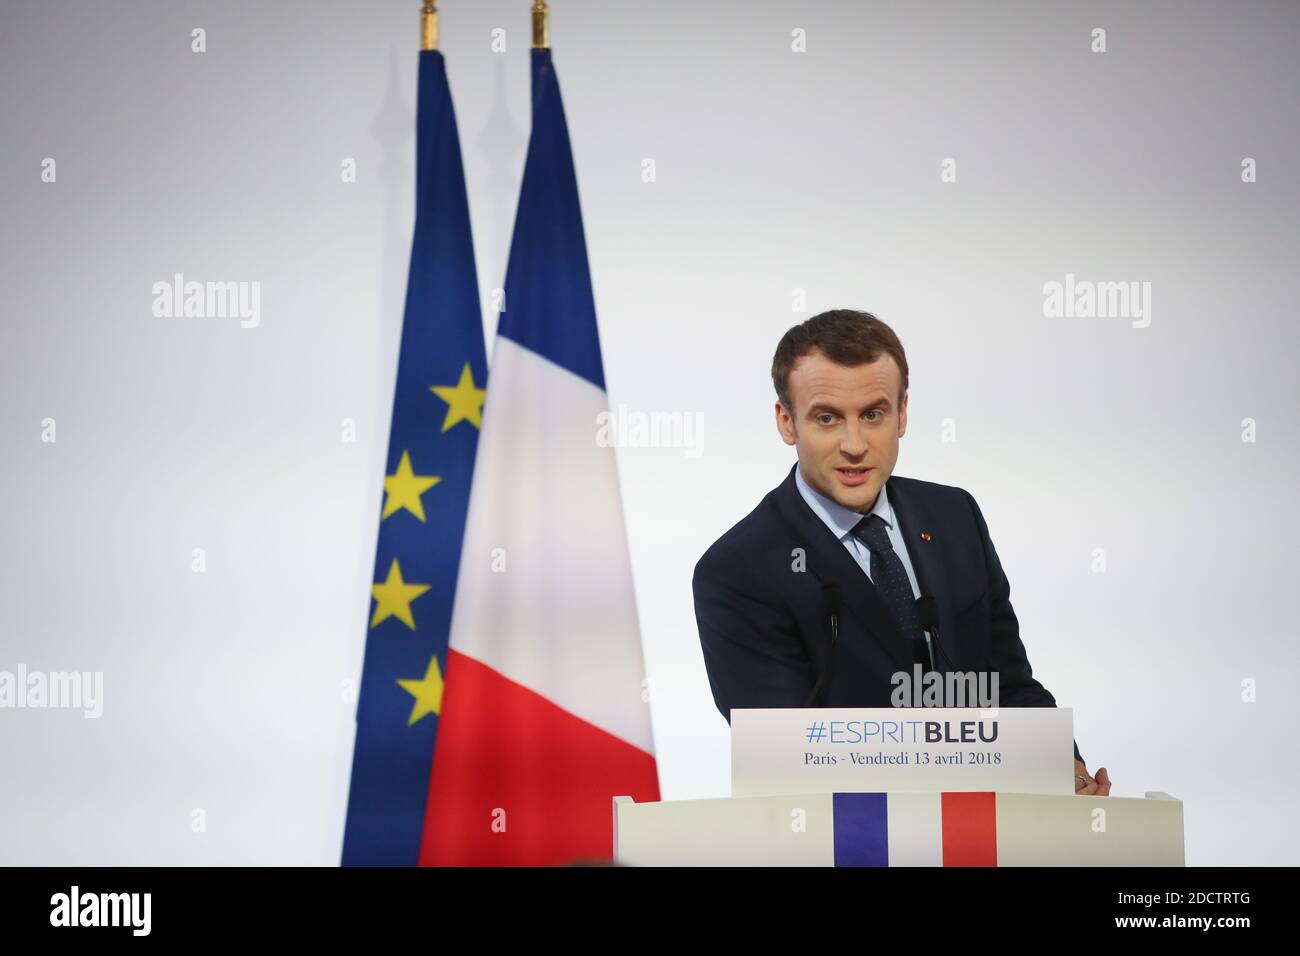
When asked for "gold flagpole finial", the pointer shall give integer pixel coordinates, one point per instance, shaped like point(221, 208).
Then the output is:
point(541, 26)
point(429, 25)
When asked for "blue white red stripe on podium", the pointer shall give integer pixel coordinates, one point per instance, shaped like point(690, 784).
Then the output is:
point(915, 829)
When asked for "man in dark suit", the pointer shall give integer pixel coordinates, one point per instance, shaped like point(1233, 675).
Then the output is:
point(844, 538)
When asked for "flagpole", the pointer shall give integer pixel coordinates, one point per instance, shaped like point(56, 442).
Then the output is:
point(429, 25)
point(541, 26)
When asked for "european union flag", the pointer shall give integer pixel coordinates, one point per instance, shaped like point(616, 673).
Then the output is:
point(437, 409)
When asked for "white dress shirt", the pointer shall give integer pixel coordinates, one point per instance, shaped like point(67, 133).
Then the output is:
point(842, 521)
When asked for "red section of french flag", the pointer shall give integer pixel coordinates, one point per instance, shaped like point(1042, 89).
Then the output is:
point(970, 831)
point(518, 781)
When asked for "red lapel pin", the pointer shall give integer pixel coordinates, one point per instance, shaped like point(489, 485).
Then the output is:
point(925, 536)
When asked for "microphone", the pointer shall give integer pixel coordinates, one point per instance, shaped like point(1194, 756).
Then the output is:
point(830, 616)
point(927, 608)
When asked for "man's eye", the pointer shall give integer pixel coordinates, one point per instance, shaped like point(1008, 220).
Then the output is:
point(825, 419)
point(874, 411)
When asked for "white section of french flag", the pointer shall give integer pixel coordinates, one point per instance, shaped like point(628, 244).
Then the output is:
point(545, 593)
point(915, 829)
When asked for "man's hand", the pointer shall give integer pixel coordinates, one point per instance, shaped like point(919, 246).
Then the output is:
point(1090, 785)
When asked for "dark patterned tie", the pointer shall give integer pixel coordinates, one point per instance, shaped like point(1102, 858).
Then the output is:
point(890, 578)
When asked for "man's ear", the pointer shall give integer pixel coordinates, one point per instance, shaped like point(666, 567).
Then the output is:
point(784, 424)
point(902, 417)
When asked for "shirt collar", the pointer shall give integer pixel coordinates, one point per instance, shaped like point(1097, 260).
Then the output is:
point(839, 519)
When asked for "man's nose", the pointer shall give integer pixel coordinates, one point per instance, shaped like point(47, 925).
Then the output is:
point(853, 443)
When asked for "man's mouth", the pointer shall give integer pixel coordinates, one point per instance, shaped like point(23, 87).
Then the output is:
point(853, 476)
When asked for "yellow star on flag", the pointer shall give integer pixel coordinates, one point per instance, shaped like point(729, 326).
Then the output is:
point(427, 692)
point(464, 401)
point(394, 596)
point(404, 489)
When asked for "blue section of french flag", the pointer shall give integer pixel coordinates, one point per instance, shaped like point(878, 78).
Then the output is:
point(550, 309)
point(861, 829)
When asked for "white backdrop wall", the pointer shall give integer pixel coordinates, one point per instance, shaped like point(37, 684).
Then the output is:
point(785, 183)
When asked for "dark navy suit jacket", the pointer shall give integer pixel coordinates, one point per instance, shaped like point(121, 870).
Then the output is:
point(764, 626)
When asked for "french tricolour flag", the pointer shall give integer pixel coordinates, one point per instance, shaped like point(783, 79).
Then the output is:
point(916, 829)
point(545, 714)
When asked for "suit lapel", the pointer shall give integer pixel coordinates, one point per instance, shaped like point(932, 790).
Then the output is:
point(830, 562)
point(927, 557)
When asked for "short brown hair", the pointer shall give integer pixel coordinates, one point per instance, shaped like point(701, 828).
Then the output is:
point(846, 337)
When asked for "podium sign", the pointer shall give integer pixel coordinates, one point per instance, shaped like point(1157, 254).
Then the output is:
point(884, 749)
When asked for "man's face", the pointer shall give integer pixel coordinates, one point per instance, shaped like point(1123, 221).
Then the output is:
point(845, 425)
